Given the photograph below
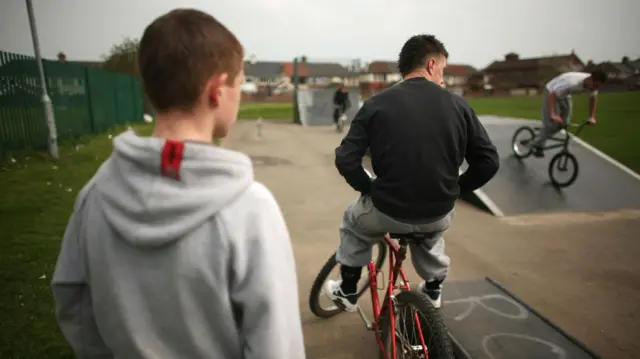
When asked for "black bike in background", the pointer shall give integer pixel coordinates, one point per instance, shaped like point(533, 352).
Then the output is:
point(563, 163)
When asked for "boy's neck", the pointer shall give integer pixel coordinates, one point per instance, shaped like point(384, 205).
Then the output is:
point(183, 127)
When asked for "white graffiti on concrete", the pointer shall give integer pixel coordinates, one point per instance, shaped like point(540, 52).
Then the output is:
point(479, 301)
point(556, 349)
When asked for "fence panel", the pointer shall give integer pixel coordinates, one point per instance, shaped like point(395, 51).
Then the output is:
point(84, 100)
point(102, 102)
point(138, 99)
point(124, 98)
point(66, 84)
point(21, 116)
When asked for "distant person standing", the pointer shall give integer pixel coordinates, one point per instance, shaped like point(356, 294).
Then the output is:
point(340, 103)
point(557, 103)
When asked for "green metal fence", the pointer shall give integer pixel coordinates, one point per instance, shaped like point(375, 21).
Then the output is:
point(85, 100)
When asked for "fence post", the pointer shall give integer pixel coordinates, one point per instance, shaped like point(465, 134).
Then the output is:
point(296, 110)
point(46, 100)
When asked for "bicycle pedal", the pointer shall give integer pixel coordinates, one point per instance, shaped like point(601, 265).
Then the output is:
point(339, 304)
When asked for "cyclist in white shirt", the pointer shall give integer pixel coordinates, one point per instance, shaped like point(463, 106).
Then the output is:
point(557, 103)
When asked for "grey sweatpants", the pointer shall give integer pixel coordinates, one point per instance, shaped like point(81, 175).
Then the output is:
point(363, 225)
point(563, 107)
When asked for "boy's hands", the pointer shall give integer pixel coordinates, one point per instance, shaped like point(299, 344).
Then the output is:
point(557, 119)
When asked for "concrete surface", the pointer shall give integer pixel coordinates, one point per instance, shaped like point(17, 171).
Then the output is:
point(580, 270)
point(490, 323)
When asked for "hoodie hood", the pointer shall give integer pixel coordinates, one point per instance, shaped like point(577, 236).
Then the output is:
point(149, 209)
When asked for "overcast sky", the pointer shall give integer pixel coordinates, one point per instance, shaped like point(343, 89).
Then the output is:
point(474, 31)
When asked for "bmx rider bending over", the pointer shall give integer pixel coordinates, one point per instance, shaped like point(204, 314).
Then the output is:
point(557, 102)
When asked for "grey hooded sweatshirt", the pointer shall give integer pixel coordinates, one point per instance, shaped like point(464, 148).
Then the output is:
point(156, 267)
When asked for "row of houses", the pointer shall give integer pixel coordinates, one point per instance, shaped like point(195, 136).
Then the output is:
point(277, 77)
point(520, 76)
point(511, 75)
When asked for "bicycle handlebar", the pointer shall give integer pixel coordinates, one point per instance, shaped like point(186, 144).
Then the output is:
point(579, 126)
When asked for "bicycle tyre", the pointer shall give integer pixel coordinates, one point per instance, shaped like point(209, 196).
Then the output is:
point(431, 320)
point(316, 288)
point(529, 133)
point(555, 161)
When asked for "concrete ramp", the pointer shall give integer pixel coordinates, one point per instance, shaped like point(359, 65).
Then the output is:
point(486, 321)
point(523, 186)
point(316, 106)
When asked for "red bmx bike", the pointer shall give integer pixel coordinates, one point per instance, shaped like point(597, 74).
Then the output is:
point(405, 323)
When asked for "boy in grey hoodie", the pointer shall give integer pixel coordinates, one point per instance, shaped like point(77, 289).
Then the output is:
point(173, 250)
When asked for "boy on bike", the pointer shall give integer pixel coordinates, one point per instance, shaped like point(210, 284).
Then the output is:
point(419, 135)
point(557, 103)
point(172, 248)
point(340, 103)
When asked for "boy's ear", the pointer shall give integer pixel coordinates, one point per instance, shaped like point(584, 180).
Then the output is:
point(215, 88)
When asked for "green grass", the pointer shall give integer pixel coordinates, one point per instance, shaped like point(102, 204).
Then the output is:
point(266, 110)
point(37, 198)
point(617, 132)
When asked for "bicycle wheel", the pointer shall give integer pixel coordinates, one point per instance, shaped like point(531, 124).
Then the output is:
point(407, 339)
point(563, 163)
point(521, 142)
point(317, 291)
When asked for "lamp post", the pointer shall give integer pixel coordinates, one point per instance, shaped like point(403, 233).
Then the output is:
point(45, 99)
point(296, 109)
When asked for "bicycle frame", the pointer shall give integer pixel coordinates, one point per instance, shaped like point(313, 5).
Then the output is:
point(565, 141)
point(397, 255)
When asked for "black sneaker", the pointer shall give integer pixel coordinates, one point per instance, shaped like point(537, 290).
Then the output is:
point(433, 292)
point(538, 152)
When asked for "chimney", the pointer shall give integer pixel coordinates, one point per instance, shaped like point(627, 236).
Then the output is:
point(62, 57)
point(512, 56)
point(625, 60)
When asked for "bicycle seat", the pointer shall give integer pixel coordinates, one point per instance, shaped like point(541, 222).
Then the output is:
point(415, 237)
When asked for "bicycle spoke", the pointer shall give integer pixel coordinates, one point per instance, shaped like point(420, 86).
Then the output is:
point(408, 343)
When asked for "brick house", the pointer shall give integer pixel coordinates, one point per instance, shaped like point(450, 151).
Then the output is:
point(456, 76)
point(517, 76)
point(267, 79)
point(381, 72)
point(623, 75)
point(322, 74)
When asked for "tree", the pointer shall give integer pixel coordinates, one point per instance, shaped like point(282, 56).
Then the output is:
point(123, 57)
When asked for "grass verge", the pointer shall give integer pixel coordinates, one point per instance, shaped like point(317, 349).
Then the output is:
point(37, 197)
point(266, 110)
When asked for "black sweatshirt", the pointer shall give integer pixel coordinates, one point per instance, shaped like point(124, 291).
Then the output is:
point(419, 134)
